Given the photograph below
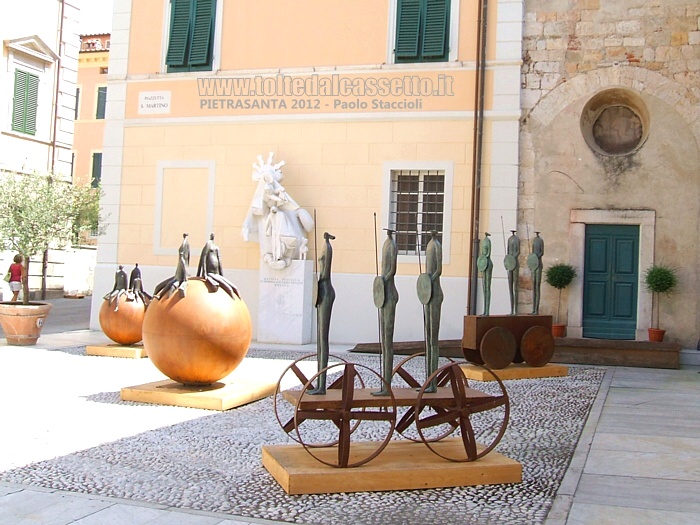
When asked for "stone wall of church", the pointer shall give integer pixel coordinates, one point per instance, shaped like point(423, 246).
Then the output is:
point(611, 121)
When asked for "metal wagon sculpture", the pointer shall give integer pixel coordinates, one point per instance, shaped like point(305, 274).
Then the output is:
point(411, 410)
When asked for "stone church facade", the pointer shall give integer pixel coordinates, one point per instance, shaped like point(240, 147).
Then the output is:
point(610, 158)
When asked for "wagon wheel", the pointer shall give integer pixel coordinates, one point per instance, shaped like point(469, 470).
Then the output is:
point(465, 402)
point(537, 346)
point(286, 418)
point(345, 410)
point(497, 347)
point(403, 426)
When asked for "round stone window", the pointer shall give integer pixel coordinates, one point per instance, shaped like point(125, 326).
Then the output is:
point(615, 122)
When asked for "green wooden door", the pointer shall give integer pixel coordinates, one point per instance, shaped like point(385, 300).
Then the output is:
point(610, 281)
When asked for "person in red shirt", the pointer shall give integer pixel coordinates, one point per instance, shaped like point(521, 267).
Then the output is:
point(16, 276)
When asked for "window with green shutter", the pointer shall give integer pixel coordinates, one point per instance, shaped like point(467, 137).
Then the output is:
point(422, 30)
point(101, 102)
point(25, 102)
point(191, 35)
point(96, 170)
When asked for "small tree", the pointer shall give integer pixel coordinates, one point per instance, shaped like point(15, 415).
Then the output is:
point(560, 276)
point(660, 278)
point(39, 211)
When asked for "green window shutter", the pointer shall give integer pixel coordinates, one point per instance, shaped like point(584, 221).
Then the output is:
point(101, 102)
point(202, 31)
point(408, 29)
point(96, 169)
point(77, 103)
point(25, 102)
point(181, 11)
point(20, 100)
point(32, 104)
point(435, 29)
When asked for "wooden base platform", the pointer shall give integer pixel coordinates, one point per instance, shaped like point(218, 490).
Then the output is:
point(402, 465)
point(116, 350)
point(253, 379)
point(515, 371)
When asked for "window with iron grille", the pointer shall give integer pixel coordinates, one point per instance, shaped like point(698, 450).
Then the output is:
point(417, 206)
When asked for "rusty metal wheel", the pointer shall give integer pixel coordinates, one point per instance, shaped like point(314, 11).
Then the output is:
point(497, 347)
point(537, 346)
point(285, 410)
point(459, 410)
point(407, 415)
point(343, 410)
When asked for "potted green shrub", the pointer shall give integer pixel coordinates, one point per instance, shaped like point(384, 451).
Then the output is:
point(659, 279)
point(559, 276)
point(38, 212)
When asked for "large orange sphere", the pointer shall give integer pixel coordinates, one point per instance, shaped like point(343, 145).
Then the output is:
point(199, 338)
point(124, 325)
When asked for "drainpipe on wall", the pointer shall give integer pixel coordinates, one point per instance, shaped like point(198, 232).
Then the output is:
point(57, 76)
point(477, 152)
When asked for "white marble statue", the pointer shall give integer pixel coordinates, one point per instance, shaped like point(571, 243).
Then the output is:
point(274, 219)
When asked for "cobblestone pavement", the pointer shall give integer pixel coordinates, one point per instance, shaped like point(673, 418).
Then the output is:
point(199, 460)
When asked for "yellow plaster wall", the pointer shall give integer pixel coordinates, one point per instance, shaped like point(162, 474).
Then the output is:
point(301, 34)
point(146, 40)
point(332, 168)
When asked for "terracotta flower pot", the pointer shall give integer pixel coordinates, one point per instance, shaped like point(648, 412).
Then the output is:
point(559, 330)
point(22, 323)
point(199, 338)
point(124, 325)
point(656, 335)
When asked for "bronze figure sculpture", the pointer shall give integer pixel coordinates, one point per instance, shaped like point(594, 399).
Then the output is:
point(198, 337)
point(385, 298)
point(324, 305)
point(211, 270)
point(512, 265)
point(122, 323)
point(431, 296)
point(179, 280)
point(534, 262)
point(121, 285)
point(485, 266)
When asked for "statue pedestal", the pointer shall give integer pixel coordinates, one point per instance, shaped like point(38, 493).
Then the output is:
point(285, 312)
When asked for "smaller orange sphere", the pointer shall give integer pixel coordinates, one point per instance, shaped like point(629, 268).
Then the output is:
point(199, 338)
point(124, 325)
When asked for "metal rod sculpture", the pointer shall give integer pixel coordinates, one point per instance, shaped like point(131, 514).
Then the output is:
point(324, 305)
point(385, 298)
point(430, 294)
point(513, 267)
point(534, 262)
point(485, 266)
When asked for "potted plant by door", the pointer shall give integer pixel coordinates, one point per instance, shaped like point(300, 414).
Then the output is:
point(659, 279)
point(559, 276)
point(38, 212)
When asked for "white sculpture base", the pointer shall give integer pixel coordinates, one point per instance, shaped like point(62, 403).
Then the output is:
point(285, 309)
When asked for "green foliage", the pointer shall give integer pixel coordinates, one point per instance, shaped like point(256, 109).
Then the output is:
point(38, 212)
point(660, 278)
point(560, 275)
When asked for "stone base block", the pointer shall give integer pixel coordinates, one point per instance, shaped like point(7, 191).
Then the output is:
point(402, 465)
point(515, 371)
point(116, 350)
point(253, 379)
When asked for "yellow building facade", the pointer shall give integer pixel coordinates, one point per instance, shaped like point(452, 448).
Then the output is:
point(374, 105)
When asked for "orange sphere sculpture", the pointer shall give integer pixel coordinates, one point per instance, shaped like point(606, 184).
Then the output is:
point(123, 325)
point(199, 338)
